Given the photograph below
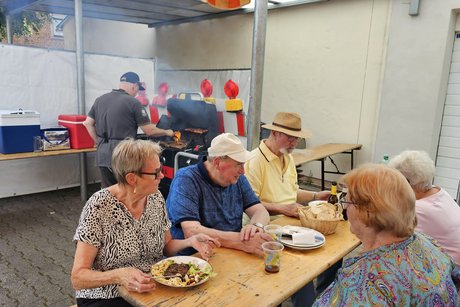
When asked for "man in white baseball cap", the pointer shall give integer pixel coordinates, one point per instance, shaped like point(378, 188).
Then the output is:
point(230, 145)
point(211, 196)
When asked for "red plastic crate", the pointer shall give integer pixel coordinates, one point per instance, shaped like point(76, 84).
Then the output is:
point(79, 136)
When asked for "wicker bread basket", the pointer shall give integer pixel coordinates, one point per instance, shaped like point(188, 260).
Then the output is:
point(325, 226)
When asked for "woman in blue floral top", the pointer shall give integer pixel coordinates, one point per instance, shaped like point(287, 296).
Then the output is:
point(397, 266)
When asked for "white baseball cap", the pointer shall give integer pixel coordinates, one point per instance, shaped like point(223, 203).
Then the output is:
point(227, 144)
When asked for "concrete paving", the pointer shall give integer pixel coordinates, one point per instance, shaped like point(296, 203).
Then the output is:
point(36, 248)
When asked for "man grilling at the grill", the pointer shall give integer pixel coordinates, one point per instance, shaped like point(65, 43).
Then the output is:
point(211, 196)
point(114, 117)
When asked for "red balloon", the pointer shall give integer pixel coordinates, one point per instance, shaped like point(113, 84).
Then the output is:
point(163, 89)
point(142, 98)
point(231, 89)
point(206, 88)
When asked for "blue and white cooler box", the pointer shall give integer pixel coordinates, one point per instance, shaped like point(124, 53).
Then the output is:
point(18, 128)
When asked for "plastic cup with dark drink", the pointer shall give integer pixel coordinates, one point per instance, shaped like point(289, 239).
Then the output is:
point(272, 256)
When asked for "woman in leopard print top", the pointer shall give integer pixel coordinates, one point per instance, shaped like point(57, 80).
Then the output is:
point(124, 229)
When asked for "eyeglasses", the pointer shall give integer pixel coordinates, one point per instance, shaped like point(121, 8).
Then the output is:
point(345, 204)
point(290, 138)
point(155, 174)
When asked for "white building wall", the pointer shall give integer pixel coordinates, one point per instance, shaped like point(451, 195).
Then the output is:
point(417, 66)
point(112, 37)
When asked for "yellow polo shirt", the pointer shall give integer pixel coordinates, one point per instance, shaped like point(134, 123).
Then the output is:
point(270, 182)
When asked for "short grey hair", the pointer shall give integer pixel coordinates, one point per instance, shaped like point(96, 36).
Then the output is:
point(130, 155)
point(211, 159)
point(417, 167)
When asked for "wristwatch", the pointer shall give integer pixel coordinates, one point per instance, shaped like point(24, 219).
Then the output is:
point(260, 225)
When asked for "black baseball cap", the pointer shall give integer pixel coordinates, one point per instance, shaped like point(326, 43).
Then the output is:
point(132, 77)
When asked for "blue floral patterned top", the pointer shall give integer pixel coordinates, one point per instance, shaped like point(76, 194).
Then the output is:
point(415, 272)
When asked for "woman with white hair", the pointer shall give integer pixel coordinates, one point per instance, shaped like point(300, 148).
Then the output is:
point(437, 213)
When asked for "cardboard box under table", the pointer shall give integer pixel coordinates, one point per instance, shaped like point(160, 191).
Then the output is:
point(79, 136)
point(18, 130)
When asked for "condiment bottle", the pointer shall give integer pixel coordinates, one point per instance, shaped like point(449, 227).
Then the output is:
point(333, 199)
point(342, 197)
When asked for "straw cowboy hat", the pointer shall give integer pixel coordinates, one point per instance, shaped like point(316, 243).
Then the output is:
point(288, 123)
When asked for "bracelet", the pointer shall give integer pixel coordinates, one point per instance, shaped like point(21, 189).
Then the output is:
point(314, 196)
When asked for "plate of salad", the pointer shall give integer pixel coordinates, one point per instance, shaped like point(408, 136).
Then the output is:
point(182, 271)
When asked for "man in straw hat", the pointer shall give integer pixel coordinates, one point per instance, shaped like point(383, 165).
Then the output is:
point(273, 176)
point(211, 196)
point(272, 173)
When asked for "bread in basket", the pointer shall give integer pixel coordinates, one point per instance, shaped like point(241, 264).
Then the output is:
point(323, 217)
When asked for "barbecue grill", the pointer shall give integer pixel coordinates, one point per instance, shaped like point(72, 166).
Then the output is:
point(197, 124)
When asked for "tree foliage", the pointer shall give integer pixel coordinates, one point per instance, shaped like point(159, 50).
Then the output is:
point(23, 24)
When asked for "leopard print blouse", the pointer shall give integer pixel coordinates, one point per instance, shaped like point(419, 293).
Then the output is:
point(121, 240)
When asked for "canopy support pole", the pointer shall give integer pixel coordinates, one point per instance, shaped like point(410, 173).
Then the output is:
point(79, 52)
point(257, 72)
point(9, 33)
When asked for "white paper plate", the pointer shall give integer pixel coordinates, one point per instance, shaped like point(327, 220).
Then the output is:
point(319, 237)
point(200, 263)
point(298, 247)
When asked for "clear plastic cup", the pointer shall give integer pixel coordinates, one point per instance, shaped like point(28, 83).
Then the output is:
point(272, 256)
point(38, 143)
point(274, 230)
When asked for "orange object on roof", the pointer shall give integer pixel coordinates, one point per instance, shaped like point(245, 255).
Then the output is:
point(228, 4)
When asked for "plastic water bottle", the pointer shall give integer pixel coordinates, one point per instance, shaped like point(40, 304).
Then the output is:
point(386, 159)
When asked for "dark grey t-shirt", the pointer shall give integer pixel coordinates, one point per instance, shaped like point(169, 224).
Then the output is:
point(117, 116)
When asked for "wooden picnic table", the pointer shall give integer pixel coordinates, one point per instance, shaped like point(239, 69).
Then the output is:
point(322, 152)
point(241, 279)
